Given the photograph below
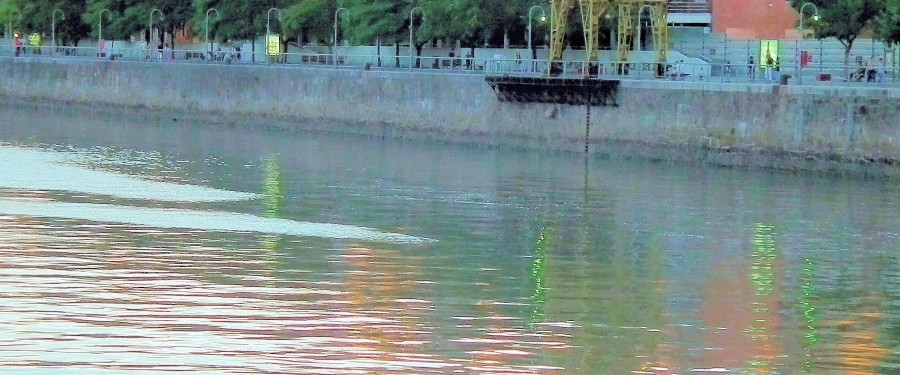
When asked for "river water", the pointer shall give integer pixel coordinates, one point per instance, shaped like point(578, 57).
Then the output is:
point(153, 245)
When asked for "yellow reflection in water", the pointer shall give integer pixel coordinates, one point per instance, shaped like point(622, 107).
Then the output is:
point(274, 188)
point(859, 347)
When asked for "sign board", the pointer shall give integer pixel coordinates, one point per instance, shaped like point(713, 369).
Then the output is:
point(273, 45)
point(768, 53)
point(34, 39)
point(805, 59)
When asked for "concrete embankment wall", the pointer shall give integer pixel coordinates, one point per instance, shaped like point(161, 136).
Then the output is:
point(805, 127)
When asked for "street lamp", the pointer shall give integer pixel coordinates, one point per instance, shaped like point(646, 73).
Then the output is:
point(411, 32)
point(543, 18)
point(207, 28)
point(53, 28)
point(268, 19)
point(800, 33)
point(100, 33)
point(161, 17)
point(637, 44)
point(815, 17)
point(612, 38)
point(334, 51)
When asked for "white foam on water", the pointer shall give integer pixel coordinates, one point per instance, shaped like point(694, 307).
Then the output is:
point(199, 220)
point(31, 169)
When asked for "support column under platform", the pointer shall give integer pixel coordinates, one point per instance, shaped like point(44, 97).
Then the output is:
point(555, 90)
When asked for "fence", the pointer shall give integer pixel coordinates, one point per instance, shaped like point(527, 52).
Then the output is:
point(726, 72)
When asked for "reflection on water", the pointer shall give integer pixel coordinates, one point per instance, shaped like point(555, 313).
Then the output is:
point(30, 169)
point(763, 275)
point(540, 264)
point(274, 188)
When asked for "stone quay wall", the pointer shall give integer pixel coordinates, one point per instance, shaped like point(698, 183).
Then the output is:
point(853, 129)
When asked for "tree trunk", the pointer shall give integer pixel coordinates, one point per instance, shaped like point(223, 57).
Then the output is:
point(253, 49)
point(378, 50)
point(397, 54)
point(847, 47)
point(418, 54)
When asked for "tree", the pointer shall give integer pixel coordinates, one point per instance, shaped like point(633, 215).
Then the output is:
point(844, 20)
point(459, 19)
point(239, 19)
point(312, 18)
point(122, 22)
point(380, 20)
point(888, 22)
point(38, 16)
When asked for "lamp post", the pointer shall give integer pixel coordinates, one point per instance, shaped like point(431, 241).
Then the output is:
point(269, 18)
point(543, 18)
point(411, 33)
point(268, 21)
point(800, 33)
point(612, 38)
point(100, 33)
point(637, 44)
point(53, 28)
point(161, 17)
point(10, 22)
point(207, 29)
point(334, 50)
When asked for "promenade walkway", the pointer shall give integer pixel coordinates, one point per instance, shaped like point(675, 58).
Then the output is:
point(820, 75)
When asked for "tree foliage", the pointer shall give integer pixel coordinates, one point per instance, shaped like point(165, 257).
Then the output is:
point(471, 22)
point(844, 19)
point(888, 22)
point(39, 16)
point(314, 19)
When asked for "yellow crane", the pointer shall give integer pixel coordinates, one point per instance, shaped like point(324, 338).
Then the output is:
point(592, 12)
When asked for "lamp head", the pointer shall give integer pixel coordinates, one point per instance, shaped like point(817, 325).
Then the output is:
point(543, 18)
point(816, 17)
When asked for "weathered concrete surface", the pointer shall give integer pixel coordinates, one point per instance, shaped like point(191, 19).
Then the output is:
point(795, 127)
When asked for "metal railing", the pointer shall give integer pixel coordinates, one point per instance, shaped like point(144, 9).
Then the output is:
point(813, 74)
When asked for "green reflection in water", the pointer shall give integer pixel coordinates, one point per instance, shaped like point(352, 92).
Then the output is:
point(810, 313)
point(762, 277)
point(538, 274)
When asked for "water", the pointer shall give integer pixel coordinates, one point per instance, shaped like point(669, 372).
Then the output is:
point(135, 245)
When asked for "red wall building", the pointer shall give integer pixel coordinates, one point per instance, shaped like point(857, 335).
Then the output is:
point(754, 19)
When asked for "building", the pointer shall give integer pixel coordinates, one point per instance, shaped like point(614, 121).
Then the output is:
point(738, 19)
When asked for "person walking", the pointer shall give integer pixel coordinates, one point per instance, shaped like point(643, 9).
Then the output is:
point(728, 71)
point(777, 77)
point(751, 68)
point(769, 64)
